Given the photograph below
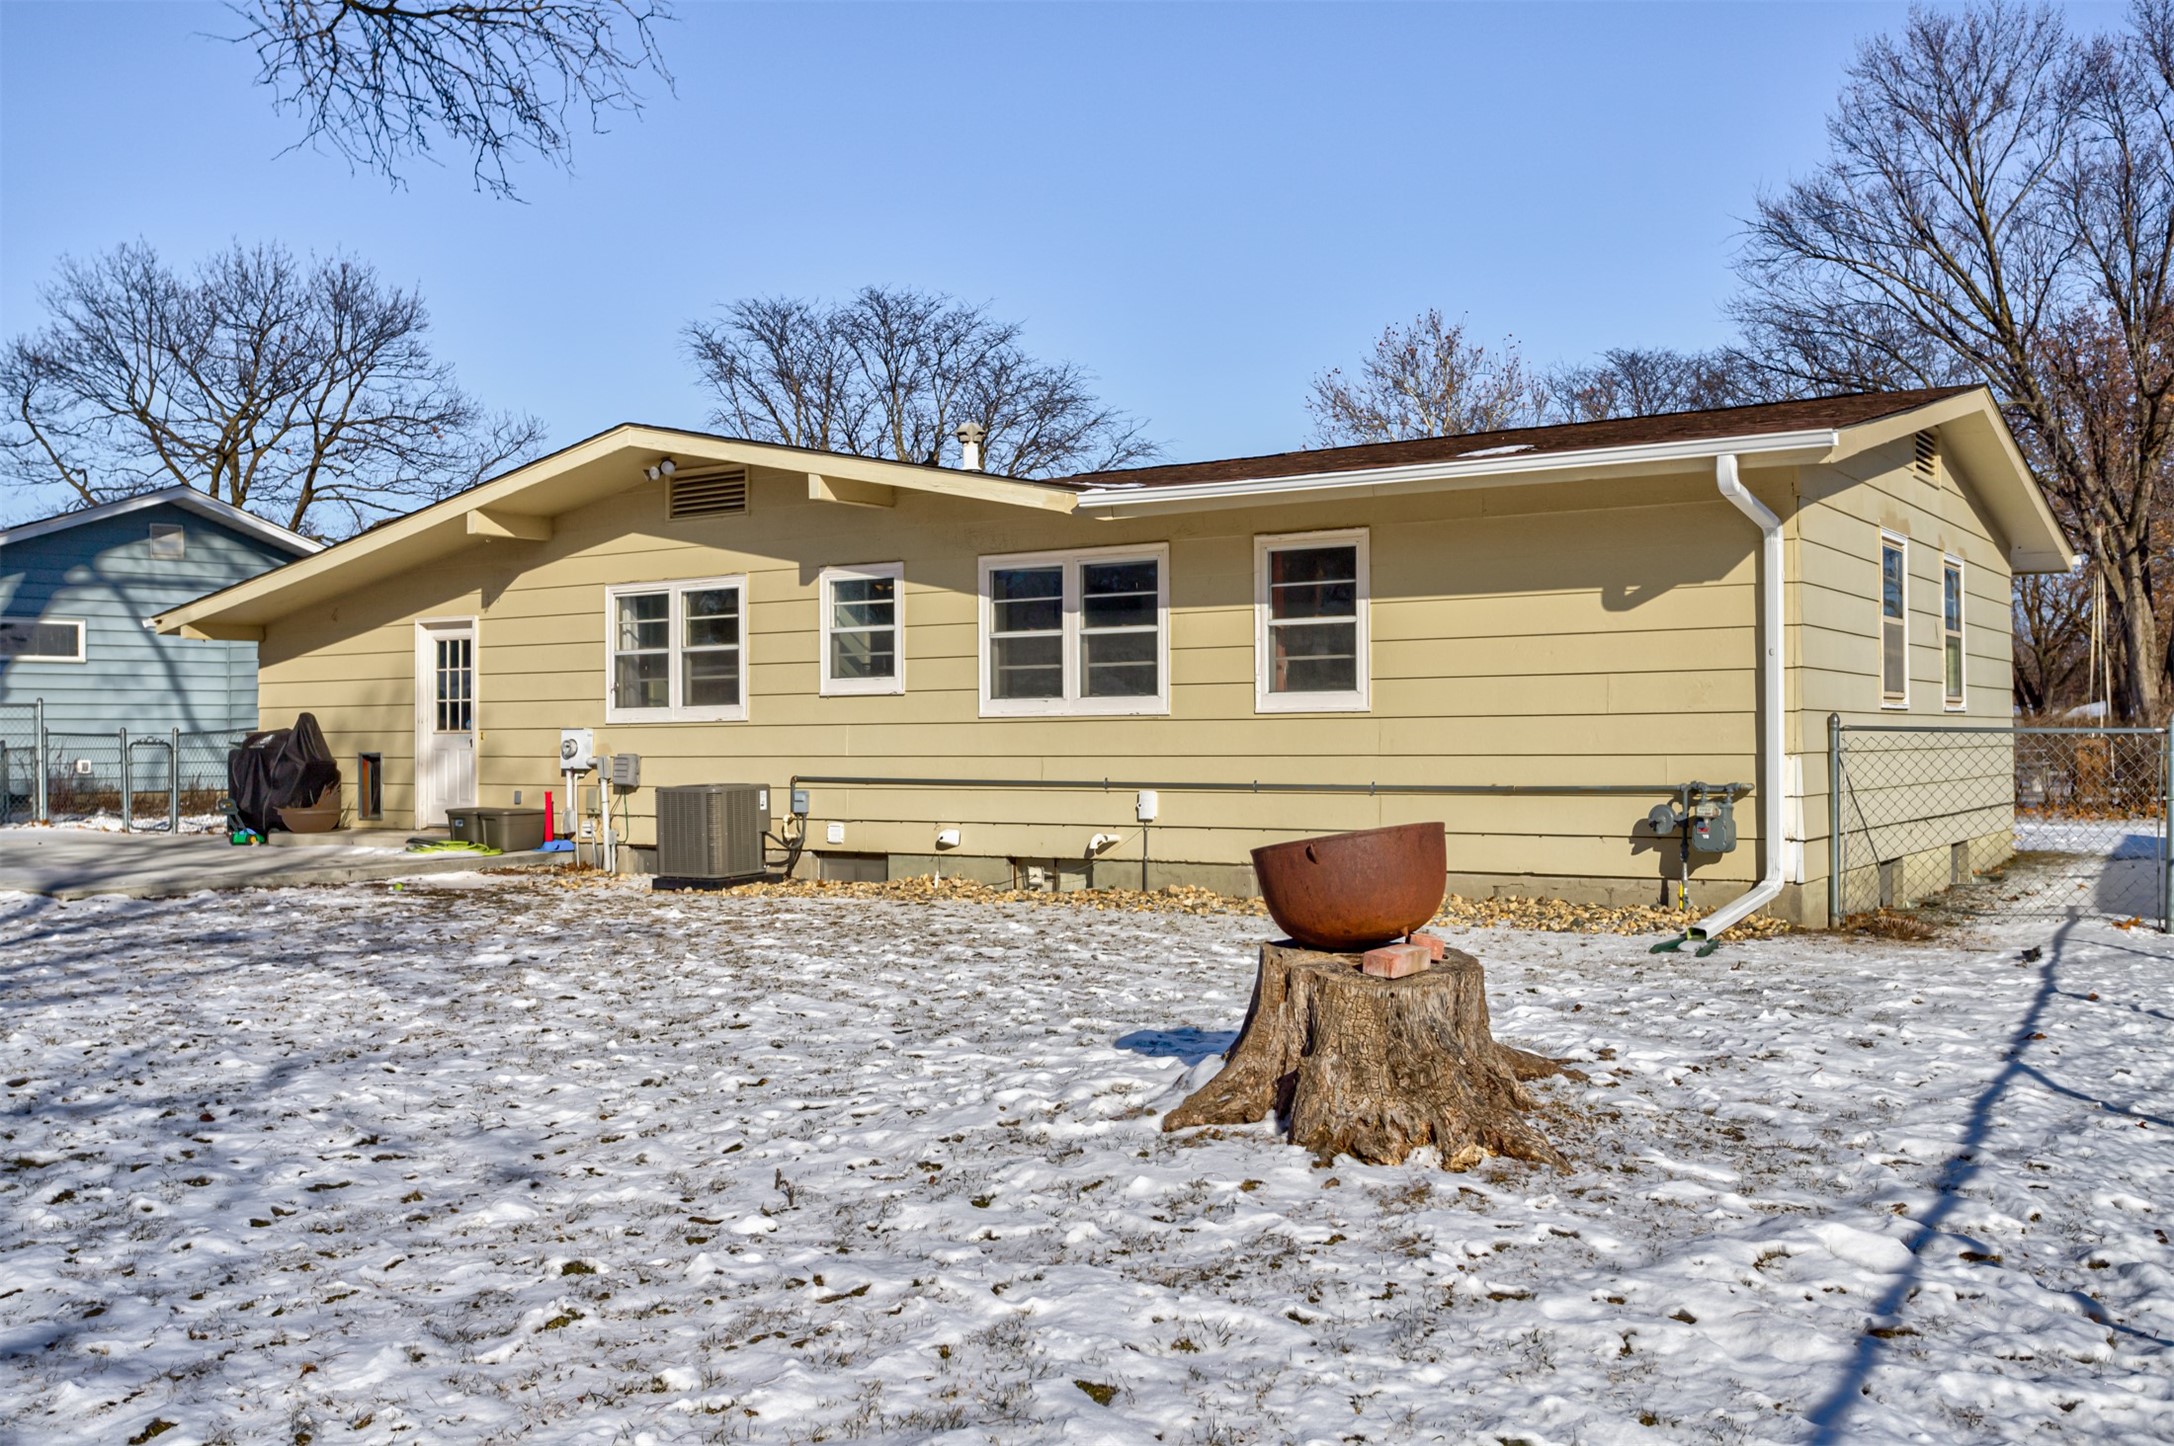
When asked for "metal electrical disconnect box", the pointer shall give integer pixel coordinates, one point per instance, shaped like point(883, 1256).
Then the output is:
point(626, 770)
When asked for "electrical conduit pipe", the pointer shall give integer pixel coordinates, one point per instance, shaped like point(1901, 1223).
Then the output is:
point(1771, 759)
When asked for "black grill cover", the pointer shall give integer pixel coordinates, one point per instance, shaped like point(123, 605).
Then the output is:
point(281, 768)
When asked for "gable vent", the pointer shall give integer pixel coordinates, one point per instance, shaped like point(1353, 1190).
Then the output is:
point(705, 494)
point(1925, 461)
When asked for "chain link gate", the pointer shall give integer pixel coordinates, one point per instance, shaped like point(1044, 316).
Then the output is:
point(2022, 822)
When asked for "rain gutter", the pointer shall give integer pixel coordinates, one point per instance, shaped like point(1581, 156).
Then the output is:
point(1495, 469)
point(1771, 679)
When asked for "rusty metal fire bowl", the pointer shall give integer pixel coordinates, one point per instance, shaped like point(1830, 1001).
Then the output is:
point(1347, 891)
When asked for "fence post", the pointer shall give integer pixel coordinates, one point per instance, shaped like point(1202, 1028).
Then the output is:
point(173, 781)
point(128, 788)
point(2166, 832)
point(45, 764)
point(1834, 820)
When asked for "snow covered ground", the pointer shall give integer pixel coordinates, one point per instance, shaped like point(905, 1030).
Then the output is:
point(494, 1158)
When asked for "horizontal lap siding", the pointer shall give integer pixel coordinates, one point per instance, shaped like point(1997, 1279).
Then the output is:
point(1836, 652)
point(1537, 636)
point(102, 574)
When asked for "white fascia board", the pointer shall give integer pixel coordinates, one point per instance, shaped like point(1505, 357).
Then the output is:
point(1493, 471)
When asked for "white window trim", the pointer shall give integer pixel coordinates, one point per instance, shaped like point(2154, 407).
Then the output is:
point(1071, 705)
point(1901, 703)
point(860, 687)
point(1960, 702)
point(1358, 700)
point(677, 588)
point(82, 641)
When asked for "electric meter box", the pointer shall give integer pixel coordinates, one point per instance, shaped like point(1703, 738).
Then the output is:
point(577, 750)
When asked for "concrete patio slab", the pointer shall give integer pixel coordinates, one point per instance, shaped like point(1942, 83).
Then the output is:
point(75, 864)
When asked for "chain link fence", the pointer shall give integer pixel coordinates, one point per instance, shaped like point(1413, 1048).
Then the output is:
point(141, 781)
point(2022, 821)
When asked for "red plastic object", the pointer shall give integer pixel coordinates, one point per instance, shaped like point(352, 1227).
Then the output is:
point(1348, 892)
point(551, 825)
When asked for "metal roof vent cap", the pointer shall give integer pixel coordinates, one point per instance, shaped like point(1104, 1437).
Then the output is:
point(970, 435)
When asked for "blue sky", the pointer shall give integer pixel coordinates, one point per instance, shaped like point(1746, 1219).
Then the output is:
point(1204, 204)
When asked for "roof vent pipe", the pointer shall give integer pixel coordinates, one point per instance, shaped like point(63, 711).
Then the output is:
point(970, 435)
point(1774, 735)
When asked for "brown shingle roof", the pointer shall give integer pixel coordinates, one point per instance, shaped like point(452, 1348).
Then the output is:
point(1816, 412)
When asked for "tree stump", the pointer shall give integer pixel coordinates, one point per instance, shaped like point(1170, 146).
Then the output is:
point(1375, 1068)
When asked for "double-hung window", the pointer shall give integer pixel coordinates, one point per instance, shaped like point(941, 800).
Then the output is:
point(1951, 632)
point(677, 651)
point(861, 630)
point(1310, 623)
point(1894, 622)
point(1076, 632)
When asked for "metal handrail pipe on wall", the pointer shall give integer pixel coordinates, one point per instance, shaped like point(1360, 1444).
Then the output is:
point(1113, 785)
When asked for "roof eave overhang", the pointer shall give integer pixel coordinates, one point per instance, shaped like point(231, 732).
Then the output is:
point(546, 488)
point(1975, 434)
point(1773, 449)
point(181, 495)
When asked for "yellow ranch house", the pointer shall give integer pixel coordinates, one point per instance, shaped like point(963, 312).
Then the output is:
point(1540, 637)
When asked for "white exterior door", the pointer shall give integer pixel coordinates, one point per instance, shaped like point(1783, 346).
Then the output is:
point(445, 719)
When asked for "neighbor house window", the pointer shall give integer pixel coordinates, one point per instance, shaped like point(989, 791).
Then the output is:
point(1894, 622)
point(34, 640)
point(168, 542)
point(1951, 632)
point(1309, 622)
point(678, 651)
point(860, 630)
point(1079, 632)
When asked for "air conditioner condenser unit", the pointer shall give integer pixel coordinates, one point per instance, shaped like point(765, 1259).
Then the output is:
point(710, 835)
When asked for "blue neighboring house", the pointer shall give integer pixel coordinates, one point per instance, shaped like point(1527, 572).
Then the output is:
point(75, 591)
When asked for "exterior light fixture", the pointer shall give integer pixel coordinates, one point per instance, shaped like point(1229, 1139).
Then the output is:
point(664, 468)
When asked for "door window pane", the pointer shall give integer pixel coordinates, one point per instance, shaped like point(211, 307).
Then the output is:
point(454, 672)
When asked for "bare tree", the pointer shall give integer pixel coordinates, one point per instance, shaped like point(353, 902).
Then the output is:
point(2052, 641)
point(893, 372)
point(304, 392)
point(378, 79)
point(1426, 379)
point(1998, 206)
point(1647, 381)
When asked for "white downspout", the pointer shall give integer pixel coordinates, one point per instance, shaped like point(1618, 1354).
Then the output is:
point(1772, 760)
